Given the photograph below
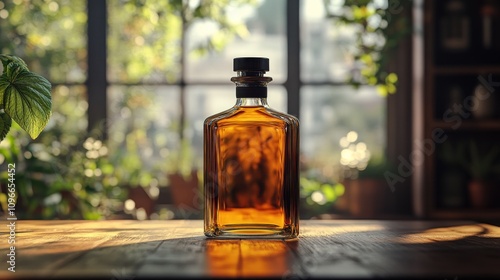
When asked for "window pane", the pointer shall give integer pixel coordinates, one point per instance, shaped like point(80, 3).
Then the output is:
point(144, 124)
point(143, 41)
point(68, 123)
point(266, 37)
point(49, 36)
point(329, 113)
point(143, 129)
point(324, 44)
point(204, 101)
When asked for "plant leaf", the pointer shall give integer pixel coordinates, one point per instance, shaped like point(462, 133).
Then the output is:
point(5, 123)
point(7, 58)
point(26, 98)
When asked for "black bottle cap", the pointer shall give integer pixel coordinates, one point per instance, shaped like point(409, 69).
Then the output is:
point(251, 64)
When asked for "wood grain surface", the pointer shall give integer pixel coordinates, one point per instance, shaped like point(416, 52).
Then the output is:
point(326, 249)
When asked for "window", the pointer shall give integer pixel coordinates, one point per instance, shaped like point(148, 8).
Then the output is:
point(158, 86)
point(200, 82)
point(155, 74)
point(329, 107)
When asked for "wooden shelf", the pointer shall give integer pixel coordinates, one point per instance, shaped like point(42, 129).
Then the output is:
point(433, 78)
point(467, 125)
point(466, 70)
point(467, 213)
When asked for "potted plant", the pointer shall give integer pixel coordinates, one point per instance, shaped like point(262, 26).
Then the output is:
point(366, 193)
point(184, 183)
point(453, 179)
point(481, 166)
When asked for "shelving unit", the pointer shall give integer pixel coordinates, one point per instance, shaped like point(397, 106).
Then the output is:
point(448, 62)
point(467, 70)
point(468, 125)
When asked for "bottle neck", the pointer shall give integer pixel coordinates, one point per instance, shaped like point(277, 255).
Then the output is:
point(251, 102)
point(251, 85)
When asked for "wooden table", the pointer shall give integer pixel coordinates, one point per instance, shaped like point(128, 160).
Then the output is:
point(342, 248)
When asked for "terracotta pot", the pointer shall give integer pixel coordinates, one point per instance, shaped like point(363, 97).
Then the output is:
point(481, 193)
point(366, 197)
point(185, 191)
point(142, 199)
point(342, 202)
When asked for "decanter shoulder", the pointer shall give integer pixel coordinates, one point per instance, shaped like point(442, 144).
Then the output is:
point(289, 119)
point(219, 116)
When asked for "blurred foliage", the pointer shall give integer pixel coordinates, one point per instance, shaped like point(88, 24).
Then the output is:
point(52, 41)
point(318, 196)
point(69, 172)
point(134, 140)
point(154, 32)
point(66, 172)
point(318, 191)
point(379, 27)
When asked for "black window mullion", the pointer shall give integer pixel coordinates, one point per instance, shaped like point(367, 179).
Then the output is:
point(293, 83)
point(96, 65)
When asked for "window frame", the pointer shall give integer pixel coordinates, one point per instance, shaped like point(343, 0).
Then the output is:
point(398, 117)
point(97, 82)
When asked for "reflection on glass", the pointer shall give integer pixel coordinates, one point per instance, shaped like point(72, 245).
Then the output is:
point(247, 258)
point(329, 113)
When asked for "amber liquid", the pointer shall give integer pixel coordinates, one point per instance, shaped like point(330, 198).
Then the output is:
point(251, 173)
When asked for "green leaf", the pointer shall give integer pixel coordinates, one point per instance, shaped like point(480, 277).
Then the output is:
point(26, 98)
point(7, 58)
point(5, 123)
point(329, 192)
point(392, 78)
